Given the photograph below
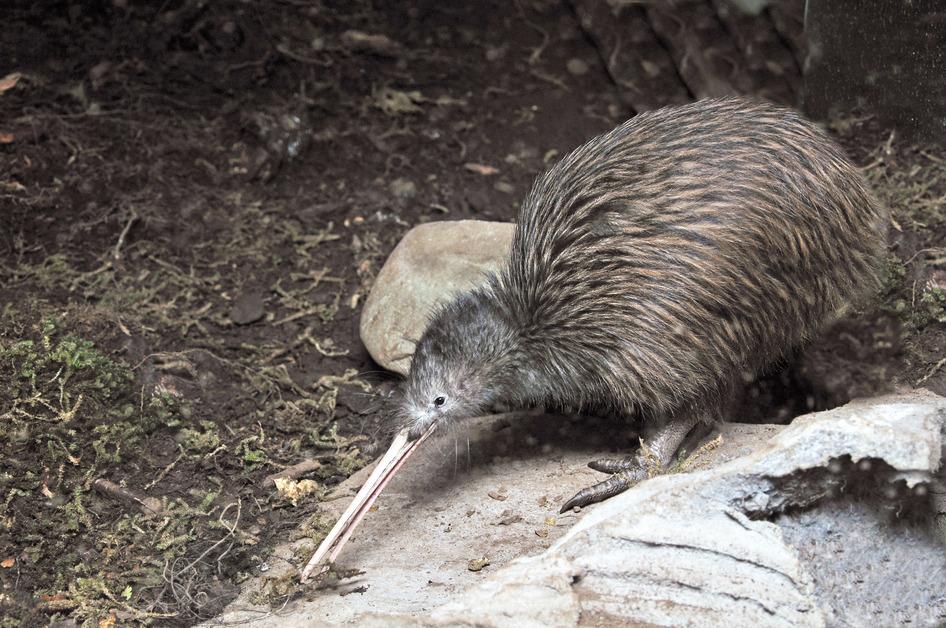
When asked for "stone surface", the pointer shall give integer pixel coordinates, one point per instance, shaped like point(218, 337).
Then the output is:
point(248, 307)
point(710, 547)
point(852, 537)
point(430, 264)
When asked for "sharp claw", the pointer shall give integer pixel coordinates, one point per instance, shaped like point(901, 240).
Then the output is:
point(612, 465)
point(653, 455)
point(579, 499)
point(615, 484)
point(603, 465)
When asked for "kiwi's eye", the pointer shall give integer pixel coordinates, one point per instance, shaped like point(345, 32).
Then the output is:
point(439, 401)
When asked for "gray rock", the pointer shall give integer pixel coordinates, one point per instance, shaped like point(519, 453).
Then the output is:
point(869, 567)
point(759, 534)
point(248, 307)
point(433, 262)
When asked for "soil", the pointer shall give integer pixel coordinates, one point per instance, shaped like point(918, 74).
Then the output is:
point(196, 198)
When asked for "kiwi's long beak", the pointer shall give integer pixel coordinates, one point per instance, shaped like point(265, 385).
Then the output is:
point(400, 450)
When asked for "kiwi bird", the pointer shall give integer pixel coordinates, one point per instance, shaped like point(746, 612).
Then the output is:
point(650, 270)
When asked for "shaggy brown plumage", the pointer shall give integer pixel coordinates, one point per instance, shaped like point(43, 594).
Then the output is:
point(651, 268)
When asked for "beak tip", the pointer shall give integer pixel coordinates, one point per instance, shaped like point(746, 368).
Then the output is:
point(308, 575)
point(397, 454)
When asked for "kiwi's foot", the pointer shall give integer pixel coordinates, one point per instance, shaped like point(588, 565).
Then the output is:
point(617, 483)
point(643, 459)
point(612, 465)
point(656, 452)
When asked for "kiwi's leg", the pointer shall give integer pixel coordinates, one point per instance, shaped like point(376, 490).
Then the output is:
point(658, 447)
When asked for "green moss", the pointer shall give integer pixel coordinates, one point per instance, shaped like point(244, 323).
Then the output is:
point(931, 307)
point(64, 369)
point(76, 514)
point(70, 413)
point(207, 501)
point(916, 307)
point(252, 457)
point(55, 385)
point(200, 441)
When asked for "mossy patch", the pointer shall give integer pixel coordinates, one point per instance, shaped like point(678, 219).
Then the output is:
point(73, 415)
point(918, 306)
point(68, 414)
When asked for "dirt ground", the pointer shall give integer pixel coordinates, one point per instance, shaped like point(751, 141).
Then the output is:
point(195, 200)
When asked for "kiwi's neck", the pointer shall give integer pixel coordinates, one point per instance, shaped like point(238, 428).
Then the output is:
point(512, 366)
point(479, 332)
point(522, 371)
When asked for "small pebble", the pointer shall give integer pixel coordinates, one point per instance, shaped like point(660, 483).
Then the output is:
point(650, 68)
point(500, 497)
point(403, 188)
point(494, 54)
point(577, 67)
point(248, 307)
point(477, 564)
point(509, 518)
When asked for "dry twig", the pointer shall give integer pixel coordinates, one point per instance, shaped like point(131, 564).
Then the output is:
point(148, 505)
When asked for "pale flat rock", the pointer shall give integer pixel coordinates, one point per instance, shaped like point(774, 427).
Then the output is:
point(755, 536)
point(437, 515)
point(432, 263)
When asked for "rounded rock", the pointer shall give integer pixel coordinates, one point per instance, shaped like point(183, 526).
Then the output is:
point(428, 267)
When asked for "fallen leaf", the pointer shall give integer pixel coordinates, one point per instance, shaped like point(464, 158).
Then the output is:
point(293, 490)
point(939, 278)
point(48, 493)
point(448, 101)
point(550, 521)
point(6, 563)
point(58, 602)
point(481, 169)
point(500, 497)
point(8, 81)
point(396, 102)
point(367, 42)
point(107, 622)
point(7, 138)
